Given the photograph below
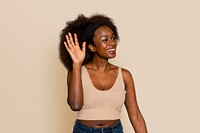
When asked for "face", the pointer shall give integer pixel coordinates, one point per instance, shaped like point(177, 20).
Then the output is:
point(105, 42)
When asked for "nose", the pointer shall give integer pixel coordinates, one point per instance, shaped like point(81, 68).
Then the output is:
point(113, 41)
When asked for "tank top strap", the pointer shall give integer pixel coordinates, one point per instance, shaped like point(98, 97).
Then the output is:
point(119, 81)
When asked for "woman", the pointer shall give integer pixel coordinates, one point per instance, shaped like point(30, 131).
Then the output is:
point(97, 89)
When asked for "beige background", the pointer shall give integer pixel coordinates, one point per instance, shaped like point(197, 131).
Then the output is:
point(159, 45)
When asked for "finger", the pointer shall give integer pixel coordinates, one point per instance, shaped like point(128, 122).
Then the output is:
point(68, 41)
point(84, 47)
point(71, 38)
point(76, 39)
point(66, 46)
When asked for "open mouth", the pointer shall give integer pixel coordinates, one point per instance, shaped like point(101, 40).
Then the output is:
point(112, 50)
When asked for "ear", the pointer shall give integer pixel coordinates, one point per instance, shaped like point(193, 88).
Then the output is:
point(92, 47)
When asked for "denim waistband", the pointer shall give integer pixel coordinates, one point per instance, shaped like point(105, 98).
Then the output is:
point(101, 130)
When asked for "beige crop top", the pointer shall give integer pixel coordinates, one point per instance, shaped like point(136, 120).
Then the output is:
point(101, 105)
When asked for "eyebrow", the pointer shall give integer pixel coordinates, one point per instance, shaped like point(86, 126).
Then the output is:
point(106, 35)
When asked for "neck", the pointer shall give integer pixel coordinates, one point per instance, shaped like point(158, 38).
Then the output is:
point(99, 65)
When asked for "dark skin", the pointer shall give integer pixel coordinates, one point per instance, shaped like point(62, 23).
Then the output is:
point(101, 73)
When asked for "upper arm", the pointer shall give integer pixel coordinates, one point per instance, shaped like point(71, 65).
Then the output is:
point(69, 77)
point(130, 99)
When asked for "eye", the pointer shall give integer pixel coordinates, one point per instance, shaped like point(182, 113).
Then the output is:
point(104, 39)
point(114, 37)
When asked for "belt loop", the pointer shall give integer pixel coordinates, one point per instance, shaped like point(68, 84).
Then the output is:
point(102, 130)
point(112, 129)
point(75, 123)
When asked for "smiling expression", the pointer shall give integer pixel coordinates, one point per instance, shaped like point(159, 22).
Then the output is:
point(105, 42)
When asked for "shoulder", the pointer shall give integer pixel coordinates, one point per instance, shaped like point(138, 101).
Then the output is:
point(126, 72)
point(127, 75)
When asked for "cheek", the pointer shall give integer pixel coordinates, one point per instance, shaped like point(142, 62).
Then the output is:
point(103, 45)
point(100, 46)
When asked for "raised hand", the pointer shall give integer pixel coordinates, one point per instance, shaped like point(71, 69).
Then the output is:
point(73, 48)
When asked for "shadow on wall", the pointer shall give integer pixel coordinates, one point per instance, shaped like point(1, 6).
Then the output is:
point(66, 115)
point(71, 116)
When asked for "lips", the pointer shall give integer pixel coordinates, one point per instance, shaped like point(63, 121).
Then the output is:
point(112, 50)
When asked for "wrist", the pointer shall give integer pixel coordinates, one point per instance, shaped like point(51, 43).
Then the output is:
point(76, 65)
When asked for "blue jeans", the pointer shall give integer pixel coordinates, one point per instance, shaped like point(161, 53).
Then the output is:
point(81, 128)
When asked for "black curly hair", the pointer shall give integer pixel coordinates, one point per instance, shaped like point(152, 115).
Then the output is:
point(79, 26)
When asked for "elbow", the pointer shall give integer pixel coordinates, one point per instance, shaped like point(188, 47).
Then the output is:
point(75, 107)
point(137, 118)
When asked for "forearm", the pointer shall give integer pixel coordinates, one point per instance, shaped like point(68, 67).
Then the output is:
point(75, 89)
point(139, 124)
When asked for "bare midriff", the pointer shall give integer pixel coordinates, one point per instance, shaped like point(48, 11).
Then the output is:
point(99, 123)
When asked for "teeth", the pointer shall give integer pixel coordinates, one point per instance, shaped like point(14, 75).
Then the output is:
point(110, 50)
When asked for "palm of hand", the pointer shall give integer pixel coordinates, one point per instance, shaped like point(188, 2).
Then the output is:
point(73, 48)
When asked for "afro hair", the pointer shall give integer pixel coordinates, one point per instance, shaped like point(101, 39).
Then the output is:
point(78, 26)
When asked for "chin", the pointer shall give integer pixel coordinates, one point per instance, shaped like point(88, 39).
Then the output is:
point(113, 56)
